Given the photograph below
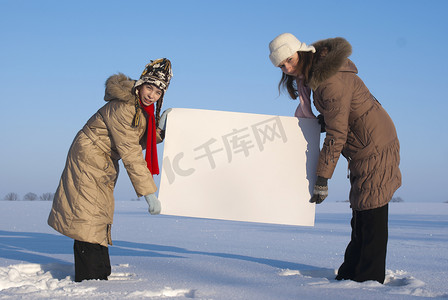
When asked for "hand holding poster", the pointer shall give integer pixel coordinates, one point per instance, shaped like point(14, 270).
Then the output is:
point(239, 166)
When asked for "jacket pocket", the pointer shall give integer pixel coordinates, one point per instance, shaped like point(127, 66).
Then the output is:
point(358, 140)
point(110, 172)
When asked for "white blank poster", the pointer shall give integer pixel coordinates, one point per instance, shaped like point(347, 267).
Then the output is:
point(239, 166)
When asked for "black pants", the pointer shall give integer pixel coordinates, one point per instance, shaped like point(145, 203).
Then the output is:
point(365, 256)
point(91, 261)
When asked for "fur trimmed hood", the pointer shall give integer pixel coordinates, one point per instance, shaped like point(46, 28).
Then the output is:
point(334, 56)
point(119, 87)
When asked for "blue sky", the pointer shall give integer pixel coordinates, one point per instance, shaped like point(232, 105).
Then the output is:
point(56, 56)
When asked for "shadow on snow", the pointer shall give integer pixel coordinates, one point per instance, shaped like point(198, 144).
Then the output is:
point(43, 248)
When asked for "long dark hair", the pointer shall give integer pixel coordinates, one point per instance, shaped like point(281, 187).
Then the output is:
point(288, 82)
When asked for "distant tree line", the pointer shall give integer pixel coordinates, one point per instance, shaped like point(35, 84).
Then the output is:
point(50, 196)
point(397, 199)
point(29, 197)
point(394, 199)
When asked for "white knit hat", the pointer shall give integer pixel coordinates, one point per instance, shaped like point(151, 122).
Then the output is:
point(285, 45)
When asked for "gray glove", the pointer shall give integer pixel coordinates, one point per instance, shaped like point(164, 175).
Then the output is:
point(154, 204)
point(320, 190)
point(162, 121)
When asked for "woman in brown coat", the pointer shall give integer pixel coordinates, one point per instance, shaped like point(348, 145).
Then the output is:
point(356, 126)
point(83, 205)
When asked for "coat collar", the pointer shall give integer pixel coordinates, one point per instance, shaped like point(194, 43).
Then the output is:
point(335, 60)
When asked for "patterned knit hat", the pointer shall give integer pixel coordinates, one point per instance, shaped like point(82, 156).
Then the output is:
point(158, 73)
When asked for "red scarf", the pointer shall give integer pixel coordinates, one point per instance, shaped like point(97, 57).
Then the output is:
point(151, 144)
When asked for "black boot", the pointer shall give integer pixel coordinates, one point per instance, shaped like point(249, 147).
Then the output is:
point(91, 261)
point(365, 256)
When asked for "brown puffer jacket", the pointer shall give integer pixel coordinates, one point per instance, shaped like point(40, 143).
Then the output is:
point(356, 126)
point(83, 205)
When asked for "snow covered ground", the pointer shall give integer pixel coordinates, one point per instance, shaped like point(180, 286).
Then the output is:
point(166, 257)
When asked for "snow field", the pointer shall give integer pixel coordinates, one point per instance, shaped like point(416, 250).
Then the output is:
point(165, 257)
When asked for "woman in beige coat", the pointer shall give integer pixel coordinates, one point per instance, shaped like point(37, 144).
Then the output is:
point(83, 205)
point(356, 126)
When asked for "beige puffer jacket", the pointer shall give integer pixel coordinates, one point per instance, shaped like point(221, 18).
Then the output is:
point(83, 205)
point(356, 126)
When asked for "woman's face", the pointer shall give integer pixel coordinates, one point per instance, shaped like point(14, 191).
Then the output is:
point(290, 65)
point(149, 94)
